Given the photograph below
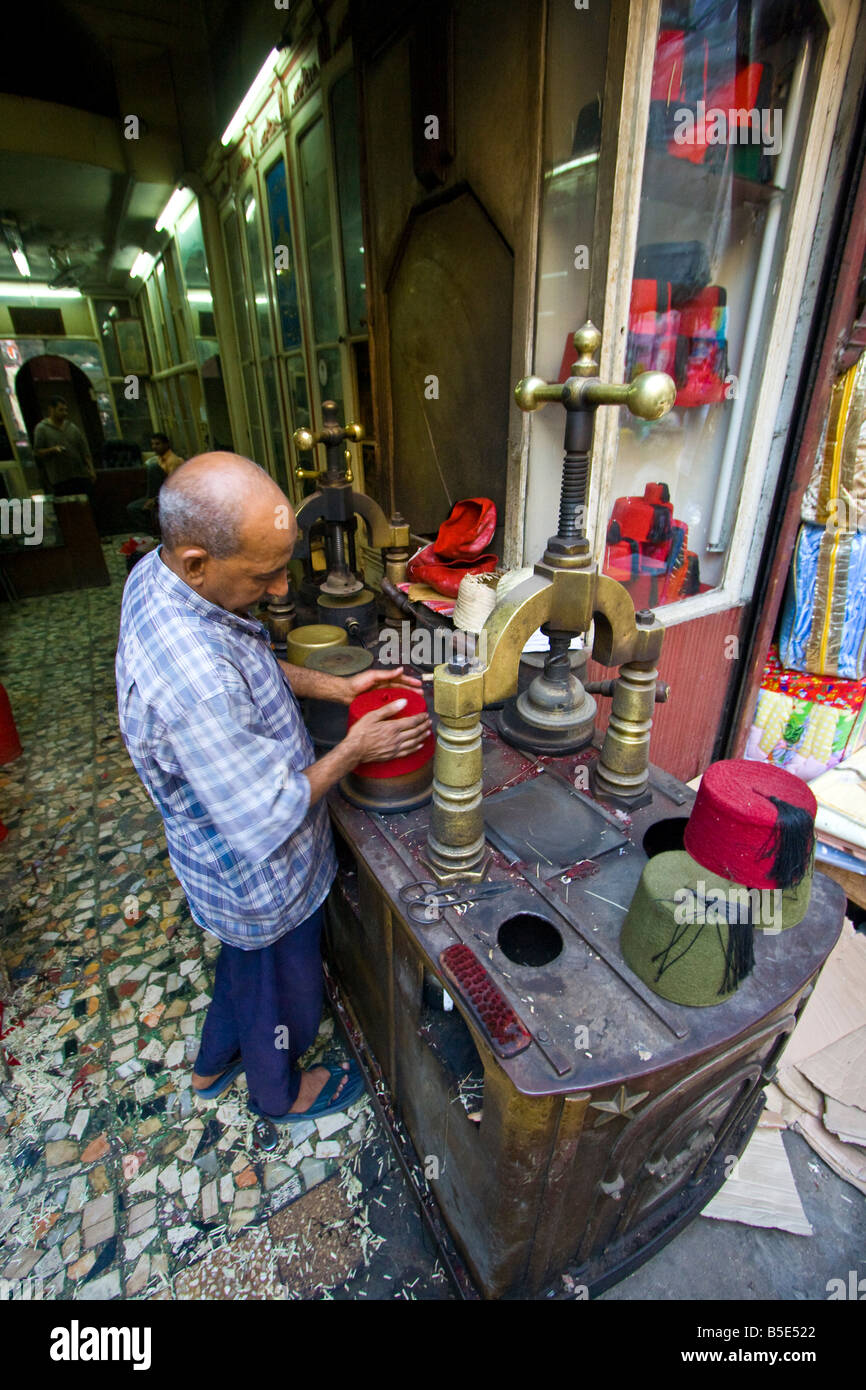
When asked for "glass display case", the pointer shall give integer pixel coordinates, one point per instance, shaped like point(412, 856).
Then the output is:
point(685, 154)
point(731, 91)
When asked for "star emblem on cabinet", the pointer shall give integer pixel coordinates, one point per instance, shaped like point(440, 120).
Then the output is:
point(621, 1104)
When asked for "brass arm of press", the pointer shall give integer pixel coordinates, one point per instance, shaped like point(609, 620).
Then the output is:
point(606, 688)
point(649, 396)
point(305, 439)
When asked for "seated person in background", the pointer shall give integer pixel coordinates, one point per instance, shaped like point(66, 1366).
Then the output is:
point(62, 453)
point(142, 513)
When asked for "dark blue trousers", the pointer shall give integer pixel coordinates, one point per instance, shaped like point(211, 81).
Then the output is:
point(267, 1006)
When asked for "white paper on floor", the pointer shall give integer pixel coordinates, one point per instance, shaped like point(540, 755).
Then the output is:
point(762, 1191)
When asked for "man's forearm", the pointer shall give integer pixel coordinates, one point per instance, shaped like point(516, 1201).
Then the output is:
point(327, 771)
point(316, 685)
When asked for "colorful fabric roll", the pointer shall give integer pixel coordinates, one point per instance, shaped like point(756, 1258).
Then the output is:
point(824, 618)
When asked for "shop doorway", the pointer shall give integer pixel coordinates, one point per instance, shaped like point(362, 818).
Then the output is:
point(42, 377)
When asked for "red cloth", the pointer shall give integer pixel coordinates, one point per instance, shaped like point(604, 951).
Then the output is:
point(738, 95)
point(733, 820)
point(458, 549)
point(10, 743)
point(415, 704)
point(467, 531)
point(668, 83)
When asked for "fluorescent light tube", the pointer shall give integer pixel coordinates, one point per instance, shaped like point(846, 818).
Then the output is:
point(262, 77)
point(176, 204)
point(141, 266)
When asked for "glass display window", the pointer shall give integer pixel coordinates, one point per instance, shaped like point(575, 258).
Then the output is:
point(576, 58)
point(282, 251)
point(189, 239)
point(732, 90)
point(313, 168)
point(261, 313)
point(344, 121)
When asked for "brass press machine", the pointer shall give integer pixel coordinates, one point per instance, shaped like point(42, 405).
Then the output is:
point(564, 596)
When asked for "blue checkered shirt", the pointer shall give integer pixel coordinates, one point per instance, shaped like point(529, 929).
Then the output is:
point(216, 736)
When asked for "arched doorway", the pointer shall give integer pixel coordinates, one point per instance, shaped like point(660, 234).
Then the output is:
point(40, 378)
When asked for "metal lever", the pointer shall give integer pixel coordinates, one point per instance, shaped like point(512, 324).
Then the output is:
point(649, 396)
point(333, 435)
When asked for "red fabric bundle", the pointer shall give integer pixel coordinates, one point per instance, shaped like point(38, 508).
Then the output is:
point(415, 704)
point(736, 830)
point(464, 534)
point(458, 548)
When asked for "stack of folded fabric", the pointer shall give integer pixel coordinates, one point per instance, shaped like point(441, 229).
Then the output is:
point(805, 723)
point(648, 549)
point(824, 619)
point(679, 327)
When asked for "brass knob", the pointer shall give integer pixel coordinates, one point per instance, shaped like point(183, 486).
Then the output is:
point(651, 395)
point(527, 393)
point(303, 440)
point(355, 433)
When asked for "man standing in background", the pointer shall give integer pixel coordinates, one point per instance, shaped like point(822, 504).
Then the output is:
point(62, 453)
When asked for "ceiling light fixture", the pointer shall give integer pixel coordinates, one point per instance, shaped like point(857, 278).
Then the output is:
point(141, 266)
point(177, 204)
point(184, 223)
point(12, 235)
point(262, 77)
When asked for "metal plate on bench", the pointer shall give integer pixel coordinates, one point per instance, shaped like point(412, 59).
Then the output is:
point(543, 821)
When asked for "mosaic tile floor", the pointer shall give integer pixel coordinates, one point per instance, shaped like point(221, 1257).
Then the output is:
point(115, 1177)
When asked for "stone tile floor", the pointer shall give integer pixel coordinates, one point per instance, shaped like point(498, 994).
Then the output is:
point(117, 1181)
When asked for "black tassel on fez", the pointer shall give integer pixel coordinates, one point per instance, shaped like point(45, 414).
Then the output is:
point(790, 843)
point(740, 953)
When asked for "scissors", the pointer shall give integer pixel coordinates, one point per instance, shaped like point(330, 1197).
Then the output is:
point(426, 901)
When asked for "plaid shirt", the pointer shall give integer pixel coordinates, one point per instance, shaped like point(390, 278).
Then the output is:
point(216, 736)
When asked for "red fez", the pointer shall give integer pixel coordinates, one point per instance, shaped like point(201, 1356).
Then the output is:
point(753, 823)
point(415, 704)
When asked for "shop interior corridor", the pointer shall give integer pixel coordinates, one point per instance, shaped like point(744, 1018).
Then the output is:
point(117, 1183)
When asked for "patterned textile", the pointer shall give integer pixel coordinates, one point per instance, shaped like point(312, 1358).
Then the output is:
point(805, 723)
point(824, 617)
point(836, 495)
point(216, 736)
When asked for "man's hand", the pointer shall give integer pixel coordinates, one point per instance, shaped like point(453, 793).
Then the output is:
point(382, 734)
point(369, 680)
point(378, 735)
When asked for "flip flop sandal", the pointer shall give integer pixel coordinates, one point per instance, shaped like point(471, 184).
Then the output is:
point(327, 1102)
point(221, 1084)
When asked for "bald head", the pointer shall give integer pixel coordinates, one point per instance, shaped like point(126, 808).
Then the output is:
point(213, 501)
point(227, 530)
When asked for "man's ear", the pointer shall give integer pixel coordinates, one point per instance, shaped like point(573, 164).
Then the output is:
point(193, 561)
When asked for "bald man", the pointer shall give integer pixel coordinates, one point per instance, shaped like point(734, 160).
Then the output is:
point(211, 721)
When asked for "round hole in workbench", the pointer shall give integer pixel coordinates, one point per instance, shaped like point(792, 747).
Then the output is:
point(529, 940)
point(665, 835)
